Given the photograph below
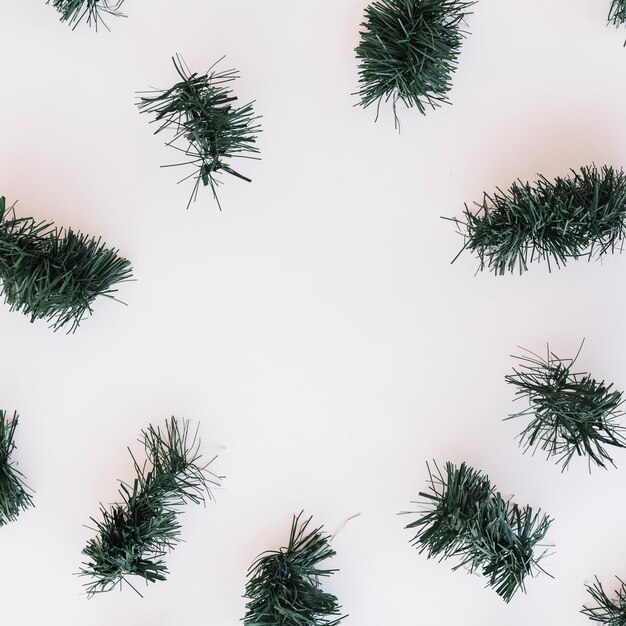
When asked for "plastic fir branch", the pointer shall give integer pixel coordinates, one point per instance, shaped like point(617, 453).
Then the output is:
point(284, 586)
point(14, 494)
point(617, 13)
point(464, 517)
point(572, 414)
point(553, 221)
point(409, 50)
point(54, 274)
point(134, 536)
point(208, 129)
point(610, 611)
point(92, 11)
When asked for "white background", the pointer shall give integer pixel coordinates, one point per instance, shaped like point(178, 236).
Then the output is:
point(315, 327)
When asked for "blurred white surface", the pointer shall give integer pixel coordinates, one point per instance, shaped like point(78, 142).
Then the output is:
point(315, 327)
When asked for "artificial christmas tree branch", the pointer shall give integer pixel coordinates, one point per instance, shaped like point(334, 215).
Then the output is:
point(408, 52)
point(54, 274)
point(92, 11)
point(134, 536)
point(610, 611)
point(617, 13)
point(553, 221)
point(205, 125)
point(572, 413)
point(14, 494)
point(464, 517)
point(284, 587)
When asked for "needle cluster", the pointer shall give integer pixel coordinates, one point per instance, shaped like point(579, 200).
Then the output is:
point(54, 274)
point(14, 494)
point(611, 611)
point(92, 11)
point(572, 413)
point(134, 536)
point(464, 517)
point(206, 126)
point(617, 13)
point(284, 585)
point(582, 215)
point(409, 50)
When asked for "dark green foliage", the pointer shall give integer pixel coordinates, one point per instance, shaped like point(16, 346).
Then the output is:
point(553, 221)
point(464, 517)
point(54, 274)
point(409, 50)
point(572, 413)
point(14, 496)
point(205, 125)
point(606, 610)
point(134, 537)
point(284, 588)
point(617, 13)
point(75, 11)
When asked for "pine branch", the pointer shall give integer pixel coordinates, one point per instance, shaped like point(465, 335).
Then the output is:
point(205, 125)
point(133, 537)
point(553, 221)
point(464, 517)
point(617, 13)
point(408, 52)
point(572, 413)
point(54, 274)
point(14, 494)
point(92, 11)
point(284, 588)
point(606, 610)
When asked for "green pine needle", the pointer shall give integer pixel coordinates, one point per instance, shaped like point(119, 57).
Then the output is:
point(206, 126)
point(552, 221)
point(572, 413)
point(75, 11)
point(14, 494)
point(134, 536)
point(606, 610)
point(409, 50)
point(55, 274)
point(617, 13)
point(464, 517)
point(284, 587)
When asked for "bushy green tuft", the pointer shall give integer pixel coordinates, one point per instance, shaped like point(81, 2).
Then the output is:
point(133, 537)
point(409, 50)
point(617, 13)
point(284, 587)
point(205, 125)
point(14, 494)
point(92, 11)
point(464, 517)
point(552, 221)
point(606, 610)
point(54, 274)
point(572, 413)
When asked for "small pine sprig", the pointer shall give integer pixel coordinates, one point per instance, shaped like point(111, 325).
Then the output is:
point(134, 536)
point(464, 517)
point(572, 413)
point(408, 52)
point(206, 126)
point(55, 274)
point(451, 506)
point(14, 494)
point(284, 585)
point(580, 216)
point(501, 544)
point(617, 13)
point(92, 11)
point(610, 611)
